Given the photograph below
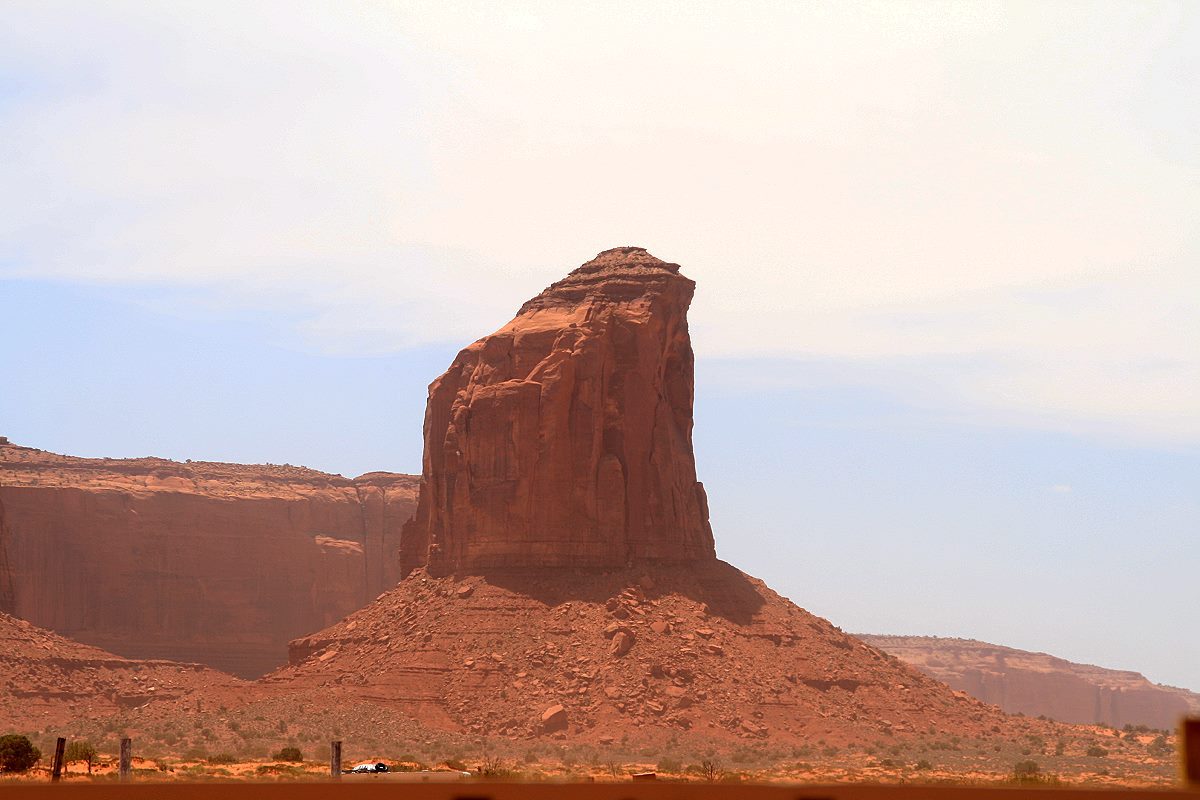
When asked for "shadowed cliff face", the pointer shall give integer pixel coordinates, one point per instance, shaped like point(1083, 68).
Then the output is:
point(565, 438)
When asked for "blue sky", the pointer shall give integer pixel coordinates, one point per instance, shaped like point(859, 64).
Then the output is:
point(948, 315)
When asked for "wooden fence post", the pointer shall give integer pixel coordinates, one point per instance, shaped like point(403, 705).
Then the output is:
point(126, 759)
point(1189, 750)
point(57, 767)
point(335, 760)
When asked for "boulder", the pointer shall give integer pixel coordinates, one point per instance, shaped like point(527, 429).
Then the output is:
point(622, 643)
point(554, 718)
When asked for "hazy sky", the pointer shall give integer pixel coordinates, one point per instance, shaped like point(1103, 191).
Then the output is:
point(948, 255)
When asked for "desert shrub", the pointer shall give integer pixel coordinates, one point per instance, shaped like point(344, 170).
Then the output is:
point(1160, 748)
point(742, 755)
point(81, 750)
point(289, 754)
point(494, 767)
point(455, 764)
point(222, 758)
point(669, 764)
point(17, 753)
point(923, 764)
point(1028, 773)
point(278, 769)
point(1096, 751)
point(1060, 747)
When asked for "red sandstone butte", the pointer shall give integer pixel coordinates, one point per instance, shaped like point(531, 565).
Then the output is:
point(564, 439)
point(220, 564)
point(587, 601)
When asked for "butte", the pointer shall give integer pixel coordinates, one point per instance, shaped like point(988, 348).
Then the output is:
point(560, 577)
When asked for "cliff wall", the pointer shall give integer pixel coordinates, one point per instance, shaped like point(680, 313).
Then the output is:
point(219, 564)
point(1037, 684)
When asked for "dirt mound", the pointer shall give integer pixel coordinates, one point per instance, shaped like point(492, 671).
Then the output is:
point(216, 563)
point(642, 654)
point(48, 679)
point(1041, 684)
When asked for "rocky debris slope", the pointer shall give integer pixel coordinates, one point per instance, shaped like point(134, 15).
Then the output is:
point(215, 563)
point(643, 654)
point(46, 679)
point(564, 439)
point(1040, 684)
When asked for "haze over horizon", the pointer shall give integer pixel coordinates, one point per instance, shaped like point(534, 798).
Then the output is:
point(947, 315)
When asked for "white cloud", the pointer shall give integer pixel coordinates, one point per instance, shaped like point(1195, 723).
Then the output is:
point(1061, 488)
point(1011, 187)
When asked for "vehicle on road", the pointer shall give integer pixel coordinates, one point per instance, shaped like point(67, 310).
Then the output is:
point(360, 769)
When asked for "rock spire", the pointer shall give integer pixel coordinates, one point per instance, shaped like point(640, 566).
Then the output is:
point(564, 439)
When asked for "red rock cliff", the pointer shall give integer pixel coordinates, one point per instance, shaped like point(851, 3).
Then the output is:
point(565, 437)
point(1040, 684)
point(219, 564)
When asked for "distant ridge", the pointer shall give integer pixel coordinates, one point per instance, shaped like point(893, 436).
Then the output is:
point(1039, 684)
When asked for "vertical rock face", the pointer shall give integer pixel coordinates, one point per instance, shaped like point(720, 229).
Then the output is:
point(565, 437)
point(7, 596)
point(220, 564)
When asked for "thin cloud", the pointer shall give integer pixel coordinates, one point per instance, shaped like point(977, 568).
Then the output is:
point(845, 182)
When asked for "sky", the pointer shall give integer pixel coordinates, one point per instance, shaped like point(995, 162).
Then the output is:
point(947, 320)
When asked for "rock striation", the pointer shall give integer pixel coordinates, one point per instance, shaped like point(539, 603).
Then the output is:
point(219, 564)
point(564, 439)
point(1040, 684)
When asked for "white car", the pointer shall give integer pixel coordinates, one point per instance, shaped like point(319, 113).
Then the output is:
point(364, 768)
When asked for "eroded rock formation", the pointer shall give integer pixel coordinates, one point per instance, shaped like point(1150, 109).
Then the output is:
point(219, 564)
point(1040, 684)
point(564, 440)
point(565, 437)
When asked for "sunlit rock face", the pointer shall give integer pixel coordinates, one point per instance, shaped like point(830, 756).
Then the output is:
point(565, 438)
point(220, 564)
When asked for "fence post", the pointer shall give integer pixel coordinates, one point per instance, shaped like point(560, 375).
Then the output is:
point(56, 769)
point(1189, 750)
point(126, 759)
point(335, 760)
